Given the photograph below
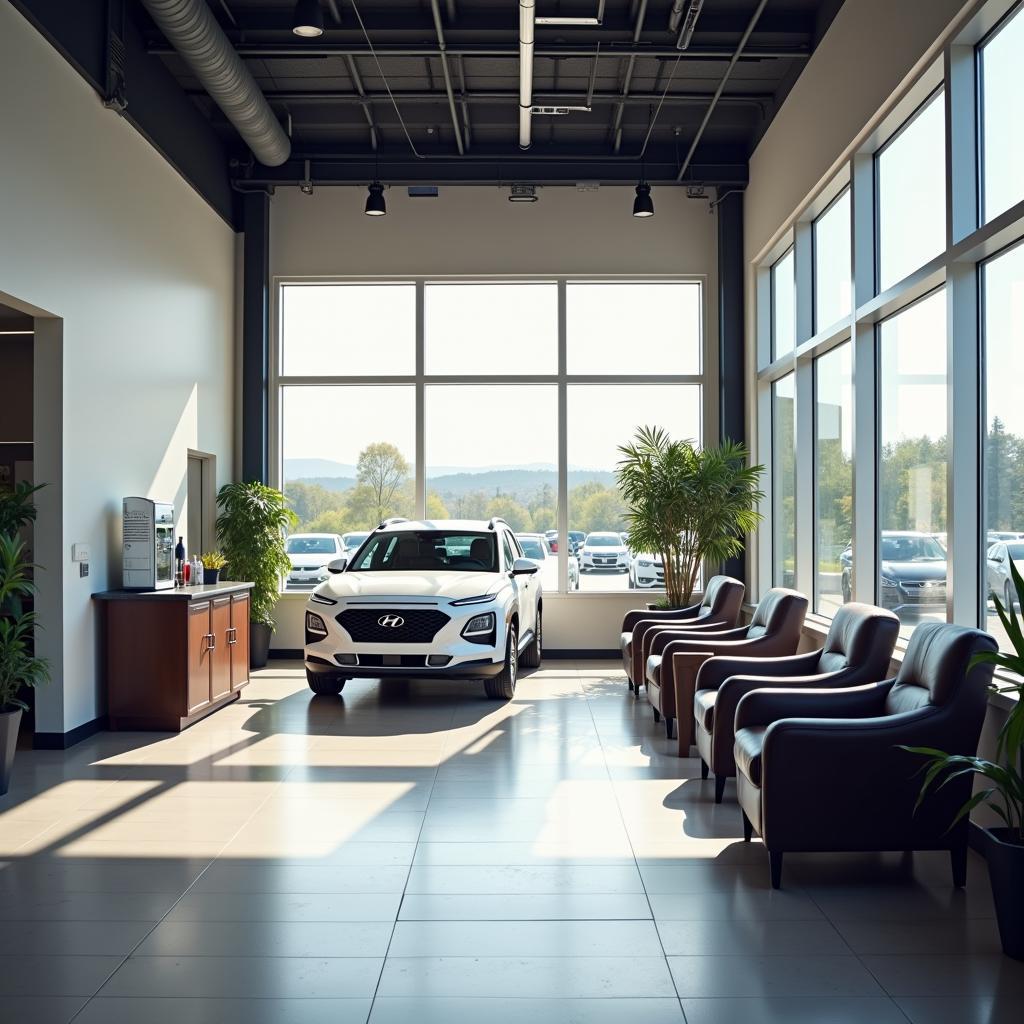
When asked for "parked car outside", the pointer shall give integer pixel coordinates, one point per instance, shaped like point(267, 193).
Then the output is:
point(604, 552)
point(352, 541)
point(913, 570)
point(646, 571)
point(551, 536)
point(309, 554)
point(576, 539)
point(1000, 582)
point(535, 546)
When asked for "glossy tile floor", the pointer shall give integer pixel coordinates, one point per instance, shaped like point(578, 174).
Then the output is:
point(414, 852)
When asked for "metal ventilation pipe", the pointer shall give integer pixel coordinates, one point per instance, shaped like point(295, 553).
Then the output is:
point(193, 31)
point(527, 13)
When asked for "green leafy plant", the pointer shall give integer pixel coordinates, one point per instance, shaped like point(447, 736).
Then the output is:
point(18, 664)
point(1005, 775)
point(692, 506)
point(213, 560)
point(17, 507)
point(252, 525)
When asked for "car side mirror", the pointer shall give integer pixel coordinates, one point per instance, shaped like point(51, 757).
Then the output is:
point(524, 567)
point(336, 565)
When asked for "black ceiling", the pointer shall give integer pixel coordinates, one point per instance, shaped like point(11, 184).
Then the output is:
point(332, 91)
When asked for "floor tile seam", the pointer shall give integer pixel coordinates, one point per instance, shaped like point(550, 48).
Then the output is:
point(179, 898)
point(629, 839)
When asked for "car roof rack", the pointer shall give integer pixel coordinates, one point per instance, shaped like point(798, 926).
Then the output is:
point(391, 522)
point(495, 520)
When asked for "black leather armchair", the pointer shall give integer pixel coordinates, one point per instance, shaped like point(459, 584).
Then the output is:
point(857, 650)
point(677, 655)
point(823, 770)
point(719, 608)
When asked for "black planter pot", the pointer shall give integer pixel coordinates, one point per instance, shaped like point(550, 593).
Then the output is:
point(259, 644)
point(9, 723)
point(1006, 870)
point(211, 576)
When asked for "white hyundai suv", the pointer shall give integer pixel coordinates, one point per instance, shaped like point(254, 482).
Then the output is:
point(447, 598)
point(604, 551)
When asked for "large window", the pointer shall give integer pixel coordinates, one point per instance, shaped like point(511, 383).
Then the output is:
point(512, 374)
point(912, 466)
point(1003, 325)
point(783, 306)
point(1001, 75)
point(832, 263)
point(911, 188)
point(833, 452)
point(784, 481)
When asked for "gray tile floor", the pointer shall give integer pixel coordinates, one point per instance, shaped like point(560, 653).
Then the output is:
point(415, 852)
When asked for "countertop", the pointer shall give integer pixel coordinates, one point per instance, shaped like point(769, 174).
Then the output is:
point(174, 593)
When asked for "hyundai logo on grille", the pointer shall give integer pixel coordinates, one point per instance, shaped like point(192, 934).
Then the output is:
point(391, 621)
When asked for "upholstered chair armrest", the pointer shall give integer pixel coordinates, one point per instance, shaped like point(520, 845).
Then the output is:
point(657, 640)
point(682, 677)
point(716, 672)
point(668, 615)
point(762, 707)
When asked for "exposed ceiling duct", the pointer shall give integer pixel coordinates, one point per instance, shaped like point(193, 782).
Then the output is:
point(527, 13)
point(193, 31)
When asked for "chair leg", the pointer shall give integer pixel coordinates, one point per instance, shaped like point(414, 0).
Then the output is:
point(657, 713)
point(719, 788)
point(705, 771)
point(748, 827)
point(630, 681)
point(775, 862)
point(669, 722)
point(958, 862)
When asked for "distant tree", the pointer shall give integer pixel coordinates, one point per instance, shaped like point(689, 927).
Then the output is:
point(311, 500)
point(332, 521)
point(381, 470)
point(472, 505)
point(600, 510)
point(436, 508)
point(517, 516)
point(543, 517)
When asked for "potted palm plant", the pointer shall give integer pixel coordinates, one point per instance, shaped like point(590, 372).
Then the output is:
point(252, 526)
point(213, 563)
point(691, 506)
point(19, 667)
point(1002, 788)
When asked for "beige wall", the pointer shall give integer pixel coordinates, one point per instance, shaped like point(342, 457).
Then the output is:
point(475, 230)
point(98, 230)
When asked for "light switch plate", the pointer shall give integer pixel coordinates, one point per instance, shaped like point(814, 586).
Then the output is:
point(79, 552)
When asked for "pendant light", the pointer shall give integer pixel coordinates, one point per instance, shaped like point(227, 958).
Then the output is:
point(375, 205)
point(308, 19)
point(643, 205)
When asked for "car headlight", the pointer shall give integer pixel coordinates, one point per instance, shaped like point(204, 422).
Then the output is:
point(479, 599)
point(479, 625)
point(314, 624)
point(888, 581)
point(320, 599)
point(644, 563)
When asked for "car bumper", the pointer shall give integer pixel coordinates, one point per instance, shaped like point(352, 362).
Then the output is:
point(644, 579)
point(307, 577)
point(464, 670)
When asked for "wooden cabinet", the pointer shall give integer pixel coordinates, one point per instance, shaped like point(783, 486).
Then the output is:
point(172, 657)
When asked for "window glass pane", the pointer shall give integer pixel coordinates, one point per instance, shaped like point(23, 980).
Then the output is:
point(600, 418)
point(348, 330)
point(911, 182)
point(1003, 313)
point(1002, 142)
point(912, 466)
point(833, 467)
point(783, 306)
point(832, 263)
point(644, 327)
point(490, 328)
point(492, 450)
point(783, 482)
point(348, 462)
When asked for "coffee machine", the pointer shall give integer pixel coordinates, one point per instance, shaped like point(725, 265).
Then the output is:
point(147, 535)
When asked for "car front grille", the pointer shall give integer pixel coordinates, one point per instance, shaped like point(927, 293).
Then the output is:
point(392, 660)
point(922, 593)
point(417, 625)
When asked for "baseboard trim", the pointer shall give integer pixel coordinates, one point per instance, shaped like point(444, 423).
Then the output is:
point(294, 653)
point(64, 740)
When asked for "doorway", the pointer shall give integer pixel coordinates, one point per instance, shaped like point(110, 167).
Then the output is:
point(201, 503)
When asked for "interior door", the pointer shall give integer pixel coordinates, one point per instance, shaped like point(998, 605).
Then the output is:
point(198, 655)
point(239, 642)
point(220, 650)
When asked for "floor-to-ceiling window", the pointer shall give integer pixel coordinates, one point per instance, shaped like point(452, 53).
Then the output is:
point(784, 482)
point(472, 399)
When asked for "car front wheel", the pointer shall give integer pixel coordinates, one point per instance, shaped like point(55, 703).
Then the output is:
point(503, 685)
point(535, 652)
point(1011, 599)
point(324, 684)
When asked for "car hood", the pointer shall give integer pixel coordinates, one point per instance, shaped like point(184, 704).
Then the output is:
point(410, 586)
point(915, 572)
point(301, 561)
point(604, 550)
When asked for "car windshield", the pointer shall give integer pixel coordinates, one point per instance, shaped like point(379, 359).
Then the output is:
point(1015, 551)
point(353, 540)
point(604, 540)
point(912, 549)
point(426, 550)
point(310, 546)
point(532, 548)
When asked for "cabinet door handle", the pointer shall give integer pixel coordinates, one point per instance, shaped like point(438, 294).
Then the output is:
point(211, 641)
point(233, 636)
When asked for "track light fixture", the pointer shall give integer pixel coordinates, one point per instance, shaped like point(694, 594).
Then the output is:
point(643, 205)
point(308, 19)
point(375, 205)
